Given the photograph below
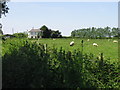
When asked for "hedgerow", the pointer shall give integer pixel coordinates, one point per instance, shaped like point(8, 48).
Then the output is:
point(29, 64)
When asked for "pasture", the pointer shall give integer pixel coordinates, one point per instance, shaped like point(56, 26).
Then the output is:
point(105, 46)
point(66, 68)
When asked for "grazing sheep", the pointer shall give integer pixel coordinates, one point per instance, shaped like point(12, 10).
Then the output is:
point(95, 44)
point(72, 43)
point(115, 41)
point(88, 40)
point(108, 39)
point(54, 39)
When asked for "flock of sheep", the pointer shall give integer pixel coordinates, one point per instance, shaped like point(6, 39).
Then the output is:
point(94, 44)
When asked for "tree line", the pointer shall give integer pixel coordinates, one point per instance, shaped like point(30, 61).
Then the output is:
point(46, 33)
point(106, 32)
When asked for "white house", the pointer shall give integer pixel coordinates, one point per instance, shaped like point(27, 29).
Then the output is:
point(34, 33)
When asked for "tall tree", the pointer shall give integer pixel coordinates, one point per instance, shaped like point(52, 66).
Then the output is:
point(3, 7)
point(3, 10)
point(73, 33)
point(46, 31)
point(95, 32)
point(44, 27)
point(114, 31)
point(108, 30)
point(1, 32)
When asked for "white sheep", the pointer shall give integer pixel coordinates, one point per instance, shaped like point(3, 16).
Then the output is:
point(54, 39)
point(88, 40)
point(115, 41)
point(95, 44)
point(108, 39)
point(72, 43)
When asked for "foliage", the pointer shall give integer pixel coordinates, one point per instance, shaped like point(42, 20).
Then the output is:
point(6, 36)
point(48, 33)
point(3, 6)
point(95, 33)
point(44, 27)
point(29, 64)
point(20, 35)
point(55, 34)
point(1, 32)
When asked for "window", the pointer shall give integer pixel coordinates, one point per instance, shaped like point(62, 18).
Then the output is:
point(31, 33)
point(36, 33)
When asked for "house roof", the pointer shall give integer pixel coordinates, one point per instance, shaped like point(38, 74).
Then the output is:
point(35, 30)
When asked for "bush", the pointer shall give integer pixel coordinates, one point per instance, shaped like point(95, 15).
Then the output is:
point(32, 65)
point(20, 35)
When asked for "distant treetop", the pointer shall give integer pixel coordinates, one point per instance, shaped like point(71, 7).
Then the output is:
point(44, 27)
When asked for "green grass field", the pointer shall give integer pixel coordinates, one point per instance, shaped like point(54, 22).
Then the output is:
point(105, 46)
point(33, 65)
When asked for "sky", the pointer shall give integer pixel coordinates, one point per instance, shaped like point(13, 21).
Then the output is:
point(62, 16)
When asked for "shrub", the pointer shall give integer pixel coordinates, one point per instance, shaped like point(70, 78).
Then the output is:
point(20, 35)
point(33, 65)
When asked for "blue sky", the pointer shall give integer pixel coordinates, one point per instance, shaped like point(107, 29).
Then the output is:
point(62, 16)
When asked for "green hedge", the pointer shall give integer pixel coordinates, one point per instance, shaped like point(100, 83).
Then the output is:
point(32, 65)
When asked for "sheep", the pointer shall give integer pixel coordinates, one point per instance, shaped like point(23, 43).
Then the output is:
point(115, 41)
point(95, 44)
point(108, 39)
point(88, 40)
point(54, 39)
point(72, 43)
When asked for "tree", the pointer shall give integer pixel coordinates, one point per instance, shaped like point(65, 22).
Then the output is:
point(73, 33)
point(95, 32)
point(1, 32)
point(108, 30)
point(115, 32)
point(3, 10)
point(100, 33)
point(118, 32)
point(55, 34)
point(40, 34)
point(44, 27)
point(3, 7)
point(46, 32)
point(20, 35)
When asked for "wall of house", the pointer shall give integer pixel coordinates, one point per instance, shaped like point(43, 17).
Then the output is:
point(33, 35)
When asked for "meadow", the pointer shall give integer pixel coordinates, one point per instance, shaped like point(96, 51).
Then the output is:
point(105, 46)
point(30, 63)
